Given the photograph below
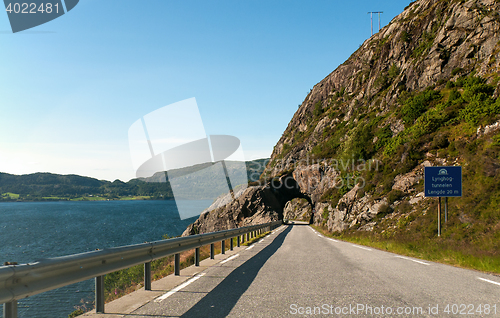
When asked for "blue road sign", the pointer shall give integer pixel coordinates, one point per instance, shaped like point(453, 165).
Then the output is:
point(443, 181)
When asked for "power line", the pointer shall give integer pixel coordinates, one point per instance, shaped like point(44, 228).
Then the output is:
point(371, 18)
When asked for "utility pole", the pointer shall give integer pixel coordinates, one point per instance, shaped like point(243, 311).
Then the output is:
point(371, 18)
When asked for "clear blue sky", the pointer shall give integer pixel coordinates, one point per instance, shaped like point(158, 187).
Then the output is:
point(71, 88)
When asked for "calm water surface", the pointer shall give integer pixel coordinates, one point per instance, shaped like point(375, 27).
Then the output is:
point(35, 230)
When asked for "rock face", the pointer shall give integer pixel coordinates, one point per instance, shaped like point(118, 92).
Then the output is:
point(406, 182)
point(256, 205)
point(297, 209)
point(355, 113)
point(431, 40)
point(316, 179)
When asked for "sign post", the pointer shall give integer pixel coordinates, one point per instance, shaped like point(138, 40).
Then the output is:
point(443, 182)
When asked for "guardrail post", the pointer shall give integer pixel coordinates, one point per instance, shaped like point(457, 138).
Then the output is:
point(223, 247)
point(197, 257)
point(147, 276)
point(248, 237)
point(99, 294)
point(10, 309)
point(212, 252)
point(177, 265)
point(238, 241)
point(231, 244)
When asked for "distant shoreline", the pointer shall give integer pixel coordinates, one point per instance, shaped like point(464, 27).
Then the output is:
point(83, 199)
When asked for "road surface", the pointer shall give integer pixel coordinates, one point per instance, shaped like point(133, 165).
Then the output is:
point(296, 272)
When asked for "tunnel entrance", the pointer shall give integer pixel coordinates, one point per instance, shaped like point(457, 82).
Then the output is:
point(286, 188)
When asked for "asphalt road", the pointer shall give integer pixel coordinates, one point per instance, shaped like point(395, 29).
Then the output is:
point(296, 272)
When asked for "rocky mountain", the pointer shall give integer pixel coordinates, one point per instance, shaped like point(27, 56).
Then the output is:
point(421, 92)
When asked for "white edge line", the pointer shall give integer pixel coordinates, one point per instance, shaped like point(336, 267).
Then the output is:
point(230, 258)
point(333, 240)
point(176, 289)
point(368, 249)
point(251, 246)
point(413, 260)
point(489, 281)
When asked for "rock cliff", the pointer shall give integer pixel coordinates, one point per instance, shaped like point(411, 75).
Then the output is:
point(421, 92)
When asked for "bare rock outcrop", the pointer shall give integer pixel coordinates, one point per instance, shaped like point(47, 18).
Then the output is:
point(314, 180)
point(255, 206)
point(297, 209)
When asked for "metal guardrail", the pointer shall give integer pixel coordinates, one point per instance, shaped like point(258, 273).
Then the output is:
point(25, 280)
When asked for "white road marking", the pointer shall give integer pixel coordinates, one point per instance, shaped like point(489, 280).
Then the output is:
point(251, 246)
point(176, 289)
point(333, 240)
point(413, 260)
point(365, 248)
point(489, 281)
point(230, 258)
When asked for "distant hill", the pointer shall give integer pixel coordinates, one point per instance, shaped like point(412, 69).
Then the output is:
point(48, 186)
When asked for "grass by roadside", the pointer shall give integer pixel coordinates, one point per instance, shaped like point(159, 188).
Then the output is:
point(435, 250)
point(252, 240)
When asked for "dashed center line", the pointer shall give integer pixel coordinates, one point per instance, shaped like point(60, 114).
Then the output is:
point(251, 246)
point(413, 260)
point(176, 289)
point(489, 281)
point(230, 258)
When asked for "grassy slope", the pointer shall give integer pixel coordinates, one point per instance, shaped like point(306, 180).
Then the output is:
point(440, 123)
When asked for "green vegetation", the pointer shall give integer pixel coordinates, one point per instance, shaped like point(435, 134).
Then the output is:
point(439, 122)
point(76, 313)
point(415, 106)
point(424, 45)
point(252, 240)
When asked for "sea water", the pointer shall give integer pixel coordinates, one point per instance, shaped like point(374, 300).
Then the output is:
point(30, 231)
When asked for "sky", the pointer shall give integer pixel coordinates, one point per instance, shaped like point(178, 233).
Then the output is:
point(71, 88)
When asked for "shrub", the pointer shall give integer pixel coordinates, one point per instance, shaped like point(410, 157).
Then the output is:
point(384, 209)
point(456, 71)
point(395, 195)
point(76, 313)
point(416, 105)
point(318, 109)
point(393, 72)
point(440, 141)
point(405, 36)
point(454, 95)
